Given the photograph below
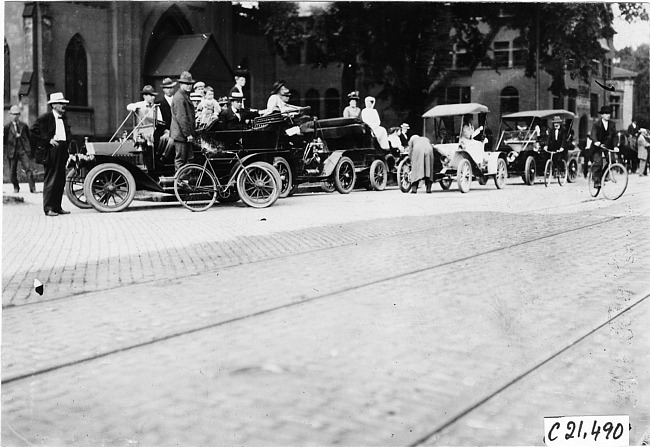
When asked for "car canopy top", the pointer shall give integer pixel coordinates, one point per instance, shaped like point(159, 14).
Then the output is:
point(539, 114)
point(456, 109)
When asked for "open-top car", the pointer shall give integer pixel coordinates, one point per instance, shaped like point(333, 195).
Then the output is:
point(523, 136)
point(457, 156)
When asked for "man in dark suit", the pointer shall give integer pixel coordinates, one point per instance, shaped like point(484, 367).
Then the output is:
point(235, 117)
point(52, 135)
point(183, 128)
point(165, 148)
point(603, 134)
point(18, 149)
point(556, 142)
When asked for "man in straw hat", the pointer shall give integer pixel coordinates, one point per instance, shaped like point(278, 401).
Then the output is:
point(235, 117)
point(18, 149)
point(51, 133)
point(183, 128)
point(603, 134)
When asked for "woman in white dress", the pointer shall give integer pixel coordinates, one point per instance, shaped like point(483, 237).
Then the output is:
point(370, 116)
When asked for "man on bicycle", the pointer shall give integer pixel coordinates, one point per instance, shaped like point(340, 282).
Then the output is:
point(556, 142)
point(603, 134)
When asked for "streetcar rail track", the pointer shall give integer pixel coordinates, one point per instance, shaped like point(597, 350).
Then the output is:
point(287, 305)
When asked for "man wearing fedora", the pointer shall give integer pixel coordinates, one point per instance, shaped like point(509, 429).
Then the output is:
point(183, 127)
point(164, 121)
point(146, 113)
point(556, 142)
point(52, 136)
point(17, 148)
point(235, 117)
point(603, 134)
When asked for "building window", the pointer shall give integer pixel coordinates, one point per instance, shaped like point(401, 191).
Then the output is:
point(509, 100)
point(312, 99)
point(461, 58)
point(457, 95)
point(76, 72)
point(519, 52)
point(571, 104)
point(615, 103)
point(502, 54)
point(332, 103)
point(593, 105)
point(7, 75)
point(558, 102)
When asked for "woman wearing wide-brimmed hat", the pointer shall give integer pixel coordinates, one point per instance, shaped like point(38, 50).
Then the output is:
point(352, 110)
point(278, 100)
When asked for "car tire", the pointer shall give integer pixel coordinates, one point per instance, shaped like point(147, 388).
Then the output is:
point(258, 185)
point(344, 175)
point(464, 175)
point(501, 175)
point(109, 187)
point(530, 170)
point(74, 189)
point(404, 175)
point(378, 175)
point(286, 177)
point(445, 183)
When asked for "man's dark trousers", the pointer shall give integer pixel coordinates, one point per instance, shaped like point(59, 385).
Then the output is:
point(21, 157)
point(54, 180)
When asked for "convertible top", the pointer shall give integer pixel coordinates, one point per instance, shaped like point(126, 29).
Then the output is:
point(456, 109)
point(541, 114)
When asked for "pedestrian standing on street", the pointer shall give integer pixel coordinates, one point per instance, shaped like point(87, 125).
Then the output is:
point(17, 148)
point(352, 110)
point(51, 133)
point(603, 133)
point(421, 154)
point(643, 143)
point(183, 128)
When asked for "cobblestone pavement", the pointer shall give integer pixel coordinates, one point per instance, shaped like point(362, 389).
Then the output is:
point(375, 321)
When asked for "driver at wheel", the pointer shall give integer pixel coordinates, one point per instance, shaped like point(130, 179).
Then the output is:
point(277, 102)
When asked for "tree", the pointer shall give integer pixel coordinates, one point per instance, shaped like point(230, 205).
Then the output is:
point(638, 60)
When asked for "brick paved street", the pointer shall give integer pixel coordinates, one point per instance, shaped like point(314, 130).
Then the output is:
point(367, 319)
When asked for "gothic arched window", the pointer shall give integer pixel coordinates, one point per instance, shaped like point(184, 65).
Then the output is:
point(76, 72)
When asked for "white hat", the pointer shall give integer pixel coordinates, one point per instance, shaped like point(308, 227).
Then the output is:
point(194, 96)
point(57, 98)
point(405, 126)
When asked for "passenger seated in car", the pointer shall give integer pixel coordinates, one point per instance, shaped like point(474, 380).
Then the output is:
point(145, 112)
point(210, 108)
point(370, 116)
point(277, 102)
point(236, 117)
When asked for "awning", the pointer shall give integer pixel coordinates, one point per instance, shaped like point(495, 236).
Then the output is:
point(456, 109)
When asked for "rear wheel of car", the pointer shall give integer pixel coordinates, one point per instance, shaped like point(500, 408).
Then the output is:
point(74, 189)
point(530, 170)
point(464, 175)
point(344, 175)
point(328, 186)
point(562, 173)
point(572, 171)
point(286, 178)
point(404, 175)
point(501, 175)
point(195, 187)
point(258, 185)
point(378, 175)
point(109, 187)
point(547, 172)
point(445, 183)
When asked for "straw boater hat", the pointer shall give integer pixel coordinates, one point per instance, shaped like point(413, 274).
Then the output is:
point(223, 100)
point(556, 119)
point(148, 90)
point(277, 86)
point(14, 109)
point(186, 78)
point(605, 109)
point(199, 84)
point(57, 98)
point(236, 96)
point(195, 96)
point(167, 83)
point(354, 95)
point(405, 126)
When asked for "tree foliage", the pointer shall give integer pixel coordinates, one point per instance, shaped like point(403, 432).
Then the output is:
point(638, 60)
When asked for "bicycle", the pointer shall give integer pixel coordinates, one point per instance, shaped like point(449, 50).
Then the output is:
point(614, 177)
point(560, 174)
point(197, 186)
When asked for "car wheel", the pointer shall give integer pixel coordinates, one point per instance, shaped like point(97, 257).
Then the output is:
point(344, 175)
point(258, 185)
point(109, 187)
point(328, 186)
point(286, 178)
point(378, 175)
point(404, 175)
point(572, 171)
point(530, 170)
point(501, 175)
point(464, 175)
point(445, 183)
point(74, 189)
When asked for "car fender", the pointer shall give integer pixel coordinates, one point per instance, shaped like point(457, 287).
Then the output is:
point(330, 163)
point(492, 161)
point(142, 179)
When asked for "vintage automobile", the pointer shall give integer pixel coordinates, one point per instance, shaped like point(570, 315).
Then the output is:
point(456, 158)
point(106, 175)
point(522, 137)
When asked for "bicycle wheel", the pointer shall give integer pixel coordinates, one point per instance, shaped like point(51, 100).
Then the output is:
point(547, 172)
point(614, 181)
point(195, 187)
point(562, 173)
point(593, 189)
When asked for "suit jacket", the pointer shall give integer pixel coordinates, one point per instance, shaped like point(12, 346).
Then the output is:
point(554, 144)
point(607, 137)
point(230, 120)
point(183, 118)
point(166, 113)
point(13, 143)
